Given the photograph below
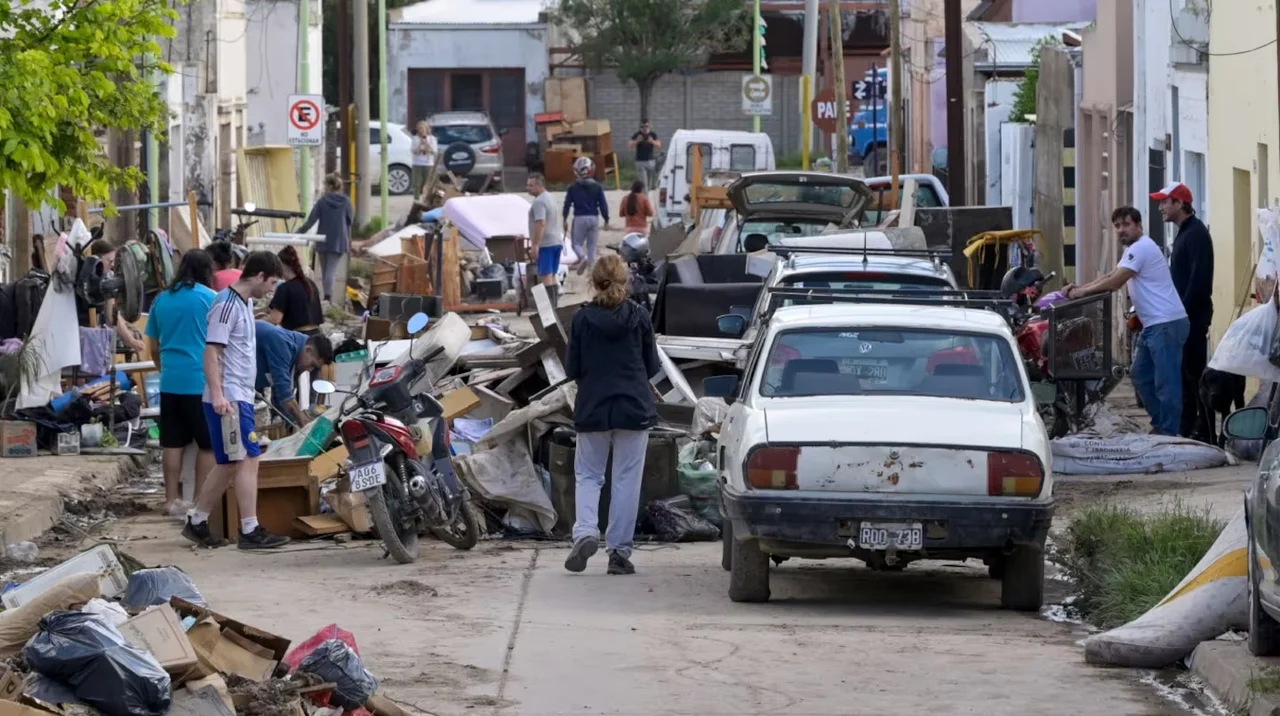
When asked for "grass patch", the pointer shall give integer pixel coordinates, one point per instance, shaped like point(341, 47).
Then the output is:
point(360, 268)
point(1266, 681)
point(1124, 561)
point(368, 230)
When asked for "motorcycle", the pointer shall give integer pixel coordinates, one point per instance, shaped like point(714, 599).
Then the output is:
point(237, 235)
point(1076, 337)
point(403, 469)
point(642, 274)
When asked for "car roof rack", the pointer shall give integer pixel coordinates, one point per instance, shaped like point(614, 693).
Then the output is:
point(788, 253)
point(985, 300)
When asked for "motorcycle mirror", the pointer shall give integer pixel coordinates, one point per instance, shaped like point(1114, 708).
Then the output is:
point(250, 207)
point(418, 322)
point(324, 387)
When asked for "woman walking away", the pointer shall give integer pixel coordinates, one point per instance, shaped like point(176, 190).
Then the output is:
point(334, 214)
point(612, 356)
point(425, 148)
point(637, 210)
point(296, 303)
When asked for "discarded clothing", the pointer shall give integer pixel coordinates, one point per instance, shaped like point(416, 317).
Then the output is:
point(96, 347)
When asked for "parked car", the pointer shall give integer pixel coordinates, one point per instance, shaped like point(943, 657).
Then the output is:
point(930, 193)
point(788, 204)
point(1261, 510)
point(475, 130)
point(722, 150)
point(888, 433)
point(399, 157)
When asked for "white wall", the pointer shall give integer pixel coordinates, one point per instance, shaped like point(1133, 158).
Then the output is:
point(1193, 135)
point(1151, 96)
point(477, 47)
point(231, 51)
point(273, 68)
point(999, 104)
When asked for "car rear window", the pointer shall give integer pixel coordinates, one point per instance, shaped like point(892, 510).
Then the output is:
point(792, 193)
point(863, 281)
point(467, 133)
point(881, 197)
point(892, 361)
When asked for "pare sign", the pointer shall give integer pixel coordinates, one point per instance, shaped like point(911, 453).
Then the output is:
point(823, 110)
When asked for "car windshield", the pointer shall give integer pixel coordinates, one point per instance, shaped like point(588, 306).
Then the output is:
point(859, 281)
point(466, 133)
point(796, 193)
point(891, 361)
point(778, 229)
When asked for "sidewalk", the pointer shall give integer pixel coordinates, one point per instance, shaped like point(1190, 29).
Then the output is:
point(32, 490)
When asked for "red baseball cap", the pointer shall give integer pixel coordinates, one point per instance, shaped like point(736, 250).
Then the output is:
point(1176, 190)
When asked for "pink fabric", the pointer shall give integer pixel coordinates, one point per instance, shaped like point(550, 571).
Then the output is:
point(224, 278)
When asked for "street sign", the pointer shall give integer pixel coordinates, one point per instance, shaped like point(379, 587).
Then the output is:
point(864, 89)
point(757, 95)
point(306, 120)
point(823, 110)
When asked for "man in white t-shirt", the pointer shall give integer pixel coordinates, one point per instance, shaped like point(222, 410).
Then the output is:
point(1157, 357)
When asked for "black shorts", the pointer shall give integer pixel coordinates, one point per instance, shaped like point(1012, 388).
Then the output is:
point(182, 422)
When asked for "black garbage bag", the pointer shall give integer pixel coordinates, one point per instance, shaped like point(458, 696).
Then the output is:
point(149, 587)
point(336, 662)
point(89, 655)
point(676, 524)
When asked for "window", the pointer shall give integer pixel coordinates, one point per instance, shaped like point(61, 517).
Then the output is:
point(761, 193)
point(892, 361)
point(466, 133)
point(742, 158)
point(705, 149)
point(375, 136)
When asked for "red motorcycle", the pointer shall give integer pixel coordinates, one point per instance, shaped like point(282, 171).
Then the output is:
point(399, 457)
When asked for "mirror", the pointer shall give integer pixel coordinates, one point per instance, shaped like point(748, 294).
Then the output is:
point(732, 325)
point(721, 386)
point(250, 207)
point(755, 242)
point(323, 387)
point(504, 132)
point(1044, 393)
point(1246, 424)
point(418, 322)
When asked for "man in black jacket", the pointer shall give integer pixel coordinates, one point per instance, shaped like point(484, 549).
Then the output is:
point(1191, 264)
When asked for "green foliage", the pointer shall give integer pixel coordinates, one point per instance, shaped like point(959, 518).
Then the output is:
point(1024, 99)
point(68, 70)
point(646, 39)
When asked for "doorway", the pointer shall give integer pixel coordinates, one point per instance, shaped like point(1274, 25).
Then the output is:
point(498, 92)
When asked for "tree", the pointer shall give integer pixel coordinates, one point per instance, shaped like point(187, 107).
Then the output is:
point(646, 39)
point(70, 69)
point(1024, 98)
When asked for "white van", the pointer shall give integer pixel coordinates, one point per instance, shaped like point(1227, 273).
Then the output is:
point(722, 150)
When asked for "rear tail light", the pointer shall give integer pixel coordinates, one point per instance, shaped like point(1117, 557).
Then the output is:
point(491, 148)
point(773, 468)
point(1013, 474)
point(662, 195)
point(354, 434)
point(386, 375)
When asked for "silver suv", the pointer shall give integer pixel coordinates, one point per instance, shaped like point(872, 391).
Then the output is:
point(475, 130)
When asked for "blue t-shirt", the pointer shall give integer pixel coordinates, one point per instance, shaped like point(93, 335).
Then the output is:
point(179, 320)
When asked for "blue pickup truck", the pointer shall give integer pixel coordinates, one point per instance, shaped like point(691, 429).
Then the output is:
point(864, 134)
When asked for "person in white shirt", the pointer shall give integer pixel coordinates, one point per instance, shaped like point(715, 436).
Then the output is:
point(1157, 357)
point(425, 148)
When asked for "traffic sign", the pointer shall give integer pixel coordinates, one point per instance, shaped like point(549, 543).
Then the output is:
point(823, 110)
point(757, 95)
point(864, 89)
point(306, 120)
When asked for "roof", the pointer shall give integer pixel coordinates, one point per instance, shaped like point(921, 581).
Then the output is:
point(470, 12)
point(450, 118)
point(696, 134)
point(969, 320)
point(1009, 45)
point(813, 263)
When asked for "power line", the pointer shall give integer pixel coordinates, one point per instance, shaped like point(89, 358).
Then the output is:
point(1173, 24)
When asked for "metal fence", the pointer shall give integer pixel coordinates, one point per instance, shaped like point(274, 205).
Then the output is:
point(1078, 345)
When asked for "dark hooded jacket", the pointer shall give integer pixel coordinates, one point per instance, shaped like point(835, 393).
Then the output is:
point(612, 355)
point(334, 213)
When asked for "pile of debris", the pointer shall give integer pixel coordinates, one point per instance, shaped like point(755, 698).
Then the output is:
point(101, 634)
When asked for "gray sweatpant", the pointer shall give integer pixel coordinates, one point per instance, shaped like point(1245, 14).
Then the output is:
point(329, 265)
point(647, 172)
point(586, 233)
point(629, 447)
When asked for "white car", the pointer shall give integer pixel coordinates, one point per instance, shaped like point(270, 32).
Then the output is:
point(399, 157)
point(889, 433)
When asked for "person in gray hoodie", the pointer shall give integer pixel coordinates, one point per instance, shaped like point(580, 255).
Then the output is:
point(334, 214)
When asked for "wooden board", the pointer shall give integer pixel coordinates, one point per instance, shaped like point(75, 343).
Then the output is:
point(567, 95)
point(451, 281)
point(320, 525)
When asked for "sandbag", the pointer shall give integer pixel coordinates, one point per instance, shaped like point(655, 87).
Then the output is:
point(18, 625)
point(1246, 347)
point(1211, 599)
point(1132, 454)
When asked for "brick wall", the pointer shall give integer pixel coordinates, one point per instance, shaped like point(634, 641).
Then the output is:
point(707, 100)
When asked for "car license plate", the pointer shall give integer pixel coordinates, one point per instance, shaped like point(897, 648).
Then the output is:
point(905, 536)
point(870, 371)
point(364, 477)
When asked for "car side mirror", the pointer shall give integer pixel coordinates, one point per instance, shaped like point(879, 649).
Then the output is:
point(732, 325)
point(504, 132)
point(721, 386)
point(755, 242)
point(1044, 393)
point(1247, 424)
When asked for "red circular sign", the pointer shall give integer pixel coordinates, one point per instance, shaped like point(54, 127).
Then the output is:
point(823, 110)
point(305, 115)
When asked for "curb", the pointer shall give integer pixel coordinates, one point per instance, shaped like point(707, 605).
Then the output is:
point(63, 477)
point(1227, 667)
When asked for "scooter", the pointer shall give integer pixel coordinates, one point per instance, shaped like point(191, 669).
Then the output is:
point(398, 457)
point(642, 274)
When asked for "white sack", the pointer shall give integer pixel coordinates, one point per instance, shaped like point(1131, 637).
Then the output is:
point(1132, 454)
point(1247, 343)
point(506, 475)
point(55, 335)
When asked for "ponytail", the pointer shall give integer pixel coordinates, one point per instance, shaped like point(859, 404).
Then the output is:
point(609, 278)
point(289, 257)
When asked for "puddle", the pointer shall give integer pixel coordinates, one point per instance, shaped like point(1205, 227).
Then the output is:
point(1185, 691)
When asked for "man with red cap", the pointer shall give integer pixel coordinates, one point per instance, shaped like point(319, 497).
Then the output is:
point(1191, 264)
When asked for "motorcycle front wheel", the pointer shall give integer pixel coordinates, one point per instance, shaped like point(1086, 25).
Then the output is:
point(402, 544)
point(463, 532)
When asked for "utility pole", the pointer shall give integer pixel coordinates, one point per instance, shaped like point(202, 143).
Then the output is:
point(756, 46)
point(955, 104)
point(304, 87)
point(812, 18)
point(895, 115)
point(382, 105)
point(344, 92)
point(360, 62)
point(842, 109)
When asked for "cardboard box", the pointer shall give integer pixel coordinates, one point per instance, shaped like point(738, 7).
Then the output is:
point(11, 683)
point(159, 631)
point(277, 646)
point(327, 465)
point(17, 438)
point(68, 444)
point(100, 560)
point(217, 653)
point(459, 402)
point(591, 128)
point(352, 508)
point(13, 708)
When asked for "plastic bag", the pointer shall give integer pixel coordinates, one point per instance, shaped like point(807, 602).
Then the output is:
point(336, 662)
point(673, 524)
point(700, 480)
point(111, 612)
point(150, 587)
point(101, 667)
point(1245, 348)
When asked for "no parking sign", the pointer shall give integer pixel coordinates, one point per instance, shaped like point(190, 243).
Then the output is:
point(306, 120)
